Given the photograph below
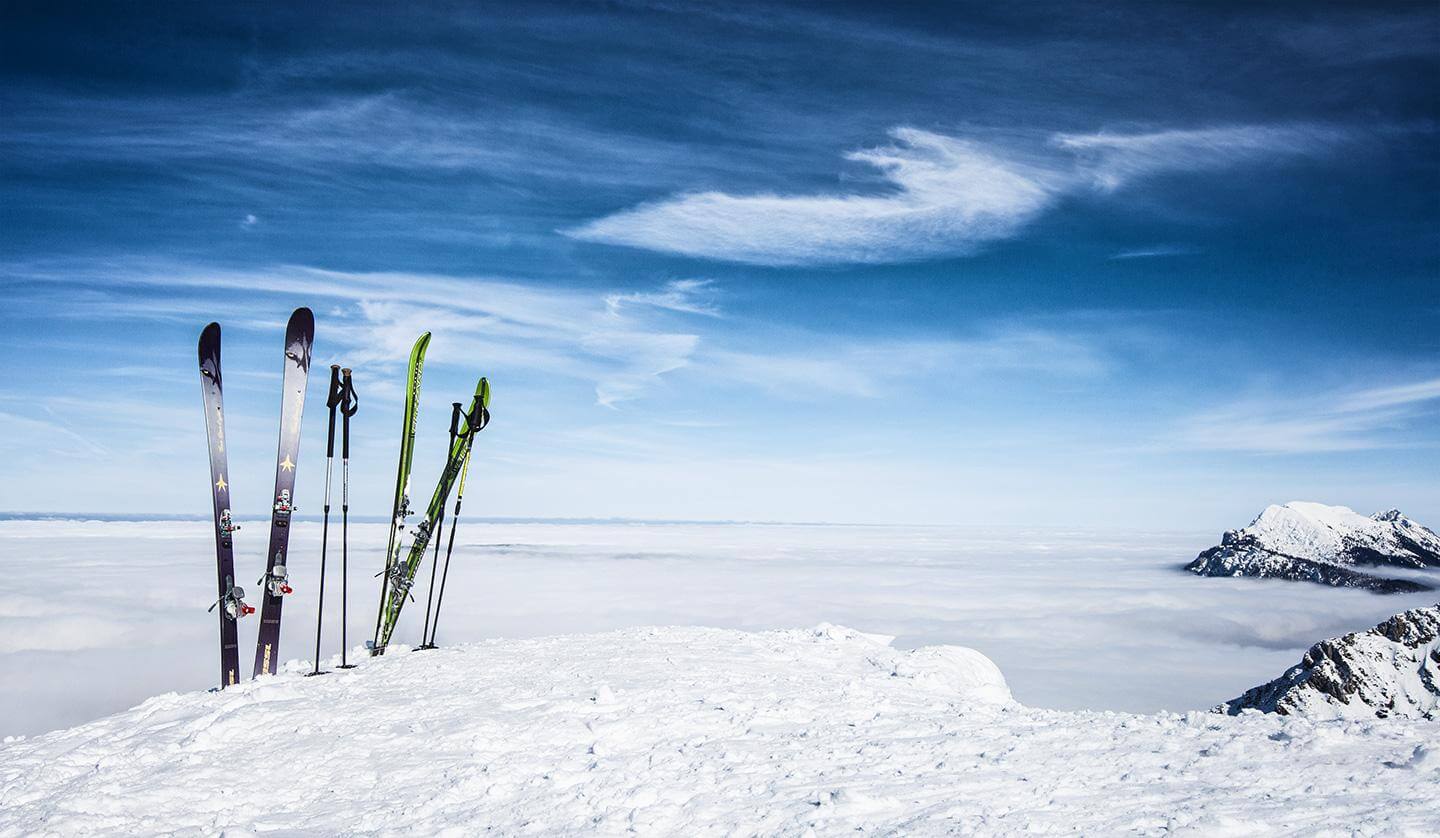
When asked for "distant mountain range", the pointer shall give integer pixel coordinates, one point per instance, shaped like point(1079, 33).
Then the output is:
point(1313, 542)
point(1392, 670)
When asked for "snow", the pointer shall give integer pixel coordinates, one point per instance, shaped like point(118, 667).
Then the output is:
point(692, 731)
point(1323, 533)
point(1307, 530)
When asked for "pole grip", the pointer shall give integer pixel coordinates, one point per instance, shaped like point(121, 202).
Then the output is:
point(337, 392)
point(332, 401)
point(349, 403)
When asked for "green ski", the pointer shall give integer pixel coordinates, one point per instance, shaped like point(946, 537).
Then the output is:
point(401, 508)
point(402, 574)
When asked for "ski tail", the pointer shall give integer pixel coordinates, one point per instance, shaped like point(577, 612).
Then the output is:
point(401, 507)
point(299, 338)
point(402, 575)
point(230, 601)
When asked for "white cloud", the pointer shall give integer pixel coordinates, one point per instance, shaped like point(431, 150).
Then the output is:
point(1113, 159)
point(1352, 420)
point(1153, 252)
point(1375, 398)
point(948, 195)
point(864, 369)
point(691, 296)
point(19, 434)
point(616, 341)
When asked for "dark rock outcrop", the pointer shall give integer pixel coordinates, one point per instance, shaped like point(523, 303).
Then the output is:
point(1392, 670)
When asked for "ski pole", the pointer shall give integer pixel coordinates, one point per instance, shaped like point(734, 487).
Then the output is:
point(455, 413)
point(349, 404)
point(472, 429)
point(445, 574)
point(332, 401)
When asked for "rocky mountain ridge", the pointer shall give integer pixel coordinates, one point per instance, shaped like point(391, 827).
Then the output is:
point(1392, 670)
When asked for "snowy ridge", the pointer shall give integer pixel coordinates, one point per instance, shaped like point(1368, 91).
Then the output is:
point(1317, 543)
point(1338, 534)
point(1392, 670)
point(692, 731)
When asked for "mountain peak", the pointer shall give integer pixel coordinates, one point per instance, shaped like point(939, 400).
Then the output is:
point(1316, 542)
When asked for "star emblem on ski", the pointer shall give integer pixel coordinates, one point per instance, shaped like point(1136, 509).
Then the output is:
point(221, 484)
point(286, 465)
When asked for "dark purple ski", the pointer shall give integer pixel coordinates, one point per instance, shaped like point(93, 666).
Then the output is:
point(231, 602)
point(275, 584)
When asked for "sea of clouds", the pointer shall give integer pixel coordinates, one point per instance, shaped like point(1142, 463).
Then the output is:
point(97, 615)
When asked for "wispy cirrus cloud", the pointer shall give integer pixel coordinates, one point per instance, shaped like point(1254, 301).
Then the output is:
point(692, 296)
point(868, 369)
point(1344, 420)
point(1113, 159)
point(1153, 252)
point(621, 342)
point(947, 195)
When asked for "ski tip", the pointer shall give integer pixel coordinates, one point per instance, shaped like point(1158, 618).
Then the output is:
point(303, 317)
point(209, 345)
point(482, 391)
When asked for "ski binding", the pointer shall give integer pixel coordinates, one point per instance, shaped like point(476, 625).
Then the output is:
point(278, 581)
point(227, 525)
point(233, 603)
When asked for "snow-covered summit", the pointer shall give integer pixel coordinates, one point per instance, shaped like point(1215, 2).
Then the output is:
point(1339, 534)
point(692, 731)
point(1392, 670)
point(1319, 543)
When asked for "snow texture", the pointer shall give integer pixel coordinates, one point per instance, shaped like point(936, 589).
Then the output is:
point(1313, 542)
point(1390, 670)
point(690, 731)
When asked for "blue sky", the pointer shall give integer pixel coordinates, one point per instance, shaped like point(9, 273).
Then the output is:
point(956, 264)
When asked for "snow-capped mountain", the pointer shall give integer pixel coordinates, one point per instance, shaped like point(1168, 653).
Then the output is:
point(1392, 670)
point(1313, 542)
point(695, 731)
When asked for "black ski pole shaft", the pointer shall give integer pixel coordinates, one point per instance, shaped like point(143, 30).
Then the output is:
point(456, 411)
point(449, 548)
point(332, 401)
point(474, 424)
point(349, 404)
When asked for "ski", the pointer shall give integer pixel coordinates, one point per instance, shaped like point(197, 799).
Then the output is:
point(402, 574)
point(231, 600)
point(299, 335)
point(400, 509)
